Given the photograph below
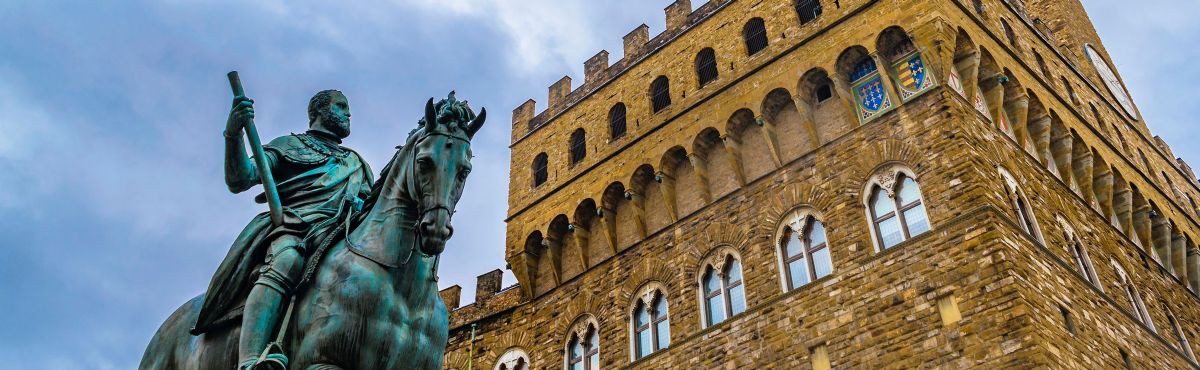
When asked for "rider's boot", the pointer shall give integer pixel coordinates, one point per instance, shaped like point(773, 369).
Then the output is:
point(264, 309)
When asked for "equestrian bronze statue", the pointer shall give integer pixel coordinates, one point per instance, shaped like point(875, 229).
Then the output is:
point(345, 276)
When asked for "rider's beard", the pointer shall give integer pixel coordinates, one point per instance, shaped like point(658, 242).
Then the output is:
point(335, 124)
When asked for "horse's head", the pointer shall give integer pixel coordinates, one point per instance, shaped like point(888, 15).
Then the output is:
point(441, 160)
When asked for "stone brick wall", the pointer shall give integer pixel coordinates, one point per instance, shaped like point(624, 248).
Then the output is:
point(722, 166)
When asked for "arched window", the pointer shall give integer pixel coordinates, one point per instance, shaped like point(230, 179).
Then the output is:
point(1134, 299)
point(1070, 89)
point(723, 293)
point(578, 146)
point(755, 35)
point(808, 10)
point(539, 169)
point(1020, 206)
point(1008, 32)
point(514, 359)
point(583, 351)
point(660, 93)
point(1042, 65)
point(1184, 345)
point(1083, 262)
point(651, 327)
point(804, 250)
point(706, 66)
point(896, 209)
point(616, 121)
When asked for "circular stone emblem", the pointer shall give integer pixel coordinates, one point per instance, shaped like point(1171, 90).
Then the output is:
point(1110, 80)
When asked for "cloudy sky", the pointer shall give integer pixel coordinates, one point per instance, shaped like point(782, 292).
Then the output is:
point(113, 209)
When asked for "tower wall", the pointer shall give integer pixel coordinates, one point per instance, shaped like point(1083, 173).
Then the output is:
point(718, 171)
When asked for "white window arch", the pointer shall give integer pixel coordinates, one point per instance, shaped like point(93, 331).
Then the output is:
point(583, 345)
point(1184, 344)
point(1019, 204)
point(513, 359)
point(1132, 296)
point(895, 207)
point(1079, 254)
point(803, 249)
point(722, 291)
point(649, 321)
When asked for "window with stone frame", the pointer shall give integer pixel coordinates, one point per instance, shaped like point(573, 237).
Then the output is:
point(1133, 297)
point(578, 146)
point(1020, 205)
point(808, 10)
point(706, 66)
point(896, 209)
point(1184, 344)
point(583, 349)
point(1041, 62)
point(616, 121)
point(1083, 262)
point(755, 36)
point(513, 359)
point(1079, 254)
point(650, 323)
point(722, 292)
point(804, 250)
point(660, 93)
point(540, 167)
point(1010, 34)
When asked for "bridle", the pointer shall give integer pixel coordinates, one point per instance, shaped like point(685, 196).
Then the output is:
point(415, 196)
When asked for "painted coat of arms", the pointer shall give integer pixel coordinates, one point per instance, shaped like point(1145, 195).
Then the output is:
point(913, 78)
point(870, 95)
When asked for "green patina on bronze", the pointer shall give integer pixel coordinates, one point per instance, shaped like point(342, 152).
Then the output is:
point(359, 260)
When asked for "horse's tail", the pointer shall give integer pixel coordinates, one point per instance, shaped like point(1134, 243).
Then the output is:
point(171, 344)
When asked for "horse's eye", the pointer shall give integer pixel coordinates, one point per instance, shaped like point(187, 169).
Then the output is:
point(425, 163)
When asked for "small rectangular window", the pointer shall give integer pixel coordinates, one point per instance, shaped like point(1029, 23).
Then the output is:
point(1067, 321)
point(820, 358)
point(1126, 360)
point(948, 308)
point(824, 92)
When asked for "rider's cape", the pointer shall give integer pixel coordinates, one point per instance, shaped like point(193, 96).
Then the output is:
point(319, 179)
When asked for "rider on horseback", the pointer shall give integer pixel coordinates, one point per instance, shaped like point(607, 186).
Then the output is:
point(320, 183)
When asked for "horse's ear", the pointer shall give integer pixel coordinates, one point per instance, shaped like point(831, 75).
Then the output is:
point(476, 123)
point(430, 115)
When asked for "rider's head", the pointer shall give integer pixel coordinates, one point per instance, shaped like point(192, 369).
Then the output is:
point(329, 111)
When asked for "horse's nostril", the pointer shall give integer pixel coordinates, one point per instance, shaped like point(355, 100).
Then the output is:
point(449, 231)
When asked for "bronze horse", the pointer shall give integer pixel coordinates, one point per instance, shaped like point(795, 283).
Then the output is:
point(372, 300)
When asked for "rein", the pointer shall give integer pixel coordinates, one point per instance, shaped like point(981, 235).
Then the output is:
point(415, 193)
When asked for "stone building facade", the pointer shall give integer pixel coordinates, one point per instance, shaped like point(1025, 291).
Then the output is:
point(796, 184)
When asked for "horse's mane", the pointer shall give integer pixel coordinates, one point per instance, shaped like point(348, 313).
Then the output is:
point(384, 175)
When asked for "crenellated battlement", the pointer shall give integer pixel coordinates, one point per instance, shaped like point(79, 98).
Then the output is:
point(490, 297)
point(638, 45)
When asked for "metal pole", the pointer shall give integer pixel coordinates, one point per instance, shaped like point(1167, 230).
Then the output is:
point(471, 353)
point(260, 159)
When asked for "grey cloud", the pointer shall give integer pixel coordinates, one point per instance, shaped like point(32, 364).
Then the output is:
point(113, 211)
